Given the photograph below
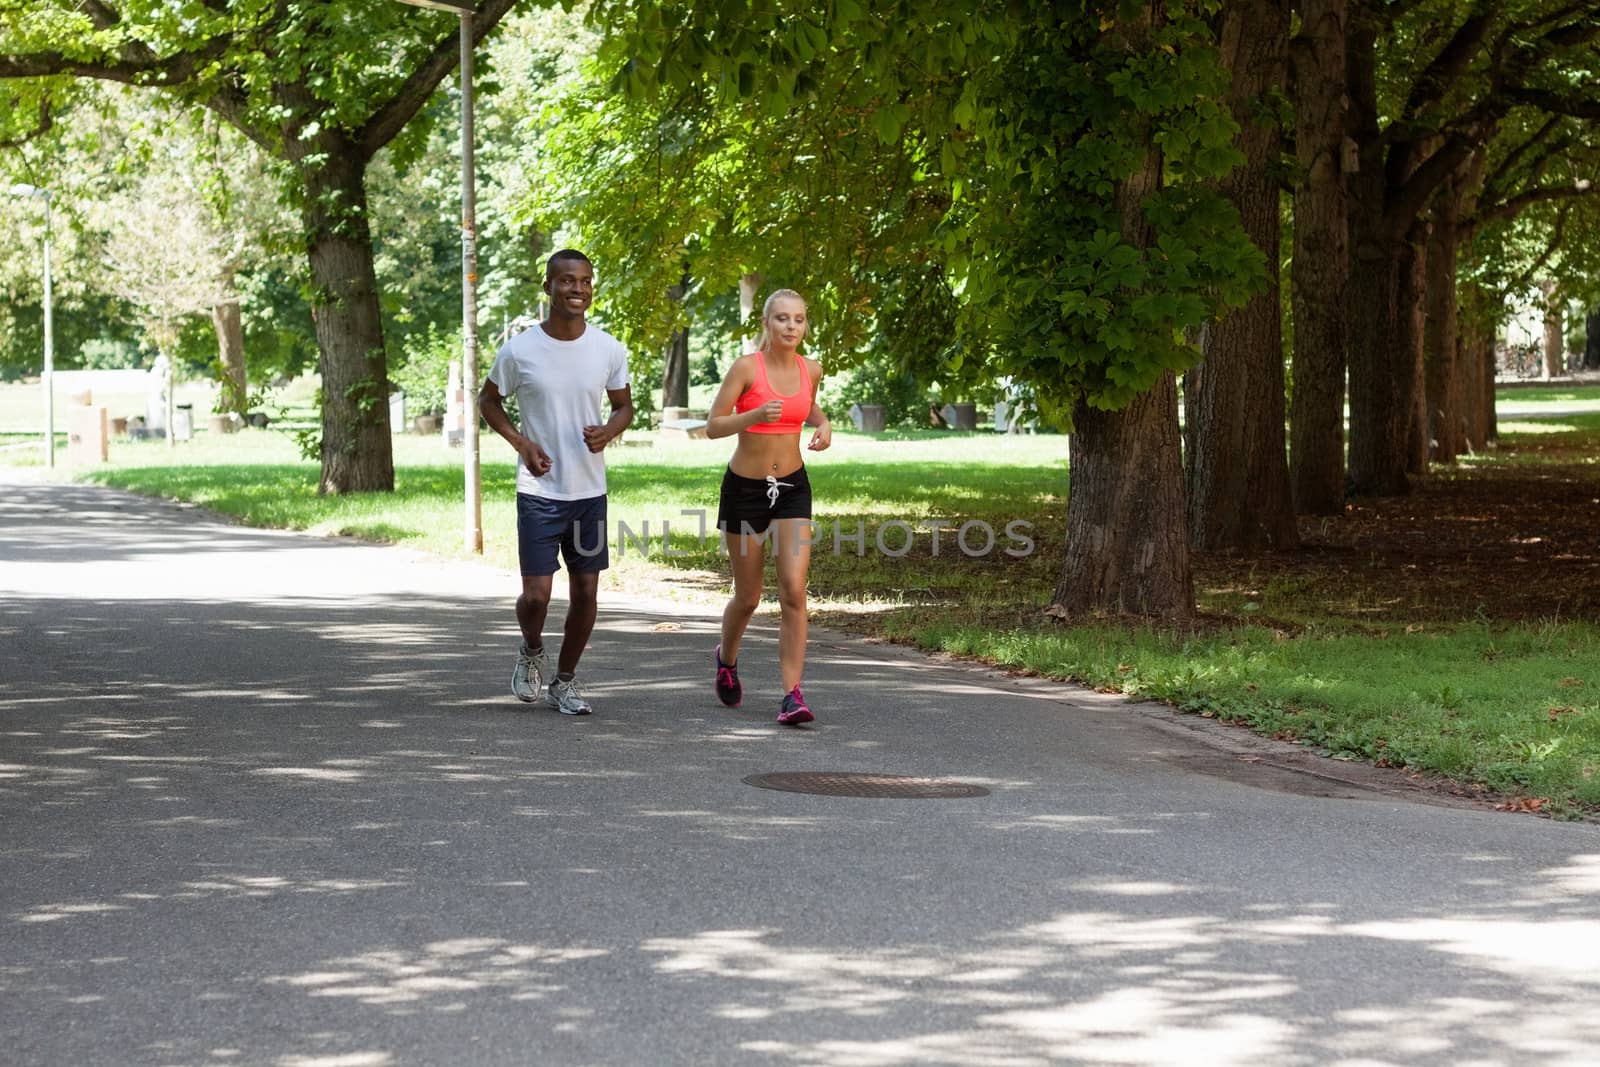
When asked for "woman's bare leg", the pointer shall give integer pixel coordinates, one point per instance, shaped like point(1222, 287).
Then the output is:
point(747, 557)
point(791, 549)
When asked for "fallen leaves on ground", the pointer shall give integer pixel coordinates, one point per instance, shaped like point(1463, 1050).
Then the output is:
point(1529, 805)
point(1501, 541)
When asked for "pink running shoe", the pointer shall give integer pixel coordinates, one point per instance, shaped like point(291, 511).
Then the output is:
point(729, 691)
point(794, 710)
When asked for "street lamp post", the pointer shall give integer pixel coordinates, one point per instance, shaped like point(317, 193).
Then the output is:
point(469, 278)
point(33, 191)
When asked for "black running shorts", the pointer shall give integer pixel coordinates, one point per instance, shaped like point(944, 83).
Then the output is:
point(748, 505)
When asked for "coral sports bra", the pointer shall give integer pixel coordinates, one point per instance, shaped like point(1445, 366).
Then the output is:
point(796, 405)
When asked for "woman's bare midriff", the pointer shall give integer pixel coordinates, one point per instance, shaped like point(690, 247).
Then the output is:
point(760, 454)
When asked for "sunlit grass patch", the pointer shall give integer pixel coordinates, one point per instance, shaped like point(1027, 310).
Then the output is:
point(1517, 710)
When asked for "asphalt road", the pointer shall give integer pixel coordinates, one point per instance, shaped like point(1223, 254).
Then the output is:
point(266, 799)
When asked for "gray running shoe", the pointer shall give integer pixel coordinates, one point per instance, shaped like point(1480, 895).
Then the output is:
point(529, 675)
point(565, 698)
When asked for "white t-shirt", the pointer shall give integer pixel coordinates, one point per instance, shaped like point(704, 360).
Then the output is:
point(559, 386)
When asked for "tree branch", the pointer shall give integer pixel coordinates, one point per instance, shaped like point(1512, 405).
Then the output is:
point(1515, 156)
point(153, 71)
point(1514, 206)
point(1413, 194)
point(1431, 85)
point(1514, 34)
point(1557, 235)
point(387, 122)
point(1507, 75)
point(1553, 102)
point(40, 128)
point(100, 15)
point(1450, 63)
point(231, 105)
point(1387, 14)
point(1530, 175)
point(104, 17)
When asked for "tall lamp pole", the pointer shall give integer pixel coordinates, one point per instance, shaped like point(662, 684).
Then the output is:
point(473, 524)
point(34, 192)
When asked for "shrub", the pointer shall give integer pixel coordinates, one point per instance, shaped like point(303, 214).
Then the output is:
point(879, 380)
point(424, 374)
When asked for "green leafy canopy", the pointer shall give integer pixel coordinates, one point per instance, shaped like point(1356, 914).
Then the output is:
point(987, 143)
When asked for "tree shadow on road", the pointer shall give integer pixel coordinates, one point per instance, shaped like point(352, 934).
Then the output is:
point(309, 831)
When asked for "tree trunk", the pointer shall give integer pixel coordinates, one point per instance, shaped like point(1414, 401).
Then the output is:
point(1381, 368)
point(1555, 346)
point(749, 286)
point(1127, 542)
point(675, 371)
point(1475, 335)
point(170, 397)
point(230, 353)
point(1474, 322)
point(1239, 496)
point(1381, 371)
point(357, 453)
point(1321, 261)
point(1440, 343)
point(675, 359)
point(1466, 390)
point(1591, 344)
point(1491, 368)
point(1411, 347)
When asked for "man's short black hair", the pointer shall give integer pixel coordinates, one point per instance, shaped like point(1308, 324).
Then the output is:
point(557, 257)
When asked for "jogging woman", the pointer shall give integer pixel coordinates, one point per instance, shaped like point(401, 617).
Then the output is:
point(767, 398)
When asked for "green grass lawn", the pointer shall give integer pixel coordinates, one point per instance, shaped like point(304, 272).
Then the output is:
point(22, 403)
point(1516, 426)
point(1515, 708)
point(258, 476)
point(1548, 394)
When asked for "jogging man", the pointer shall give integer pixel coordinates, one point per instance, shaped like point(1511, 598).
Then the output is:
point(557, 371)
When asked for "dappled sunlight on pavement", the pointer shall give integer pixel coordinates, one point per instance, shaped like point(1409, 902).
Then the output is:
point(293, 816)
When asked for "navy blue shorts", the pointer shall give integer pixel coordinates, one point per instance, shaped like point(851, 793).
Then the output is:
point(748, 505)
point(577, 528)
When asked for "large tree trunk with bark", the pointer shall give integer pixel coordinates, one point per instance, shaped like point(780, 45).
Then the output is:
point(1238, 472)
point(1411, 346)
point(1127, 541)
point(1440, 341)
point(1475, 335)
point(230, 353)
point(1474, 323)
point(1591, 345)
point(1381, 370)
point(1381, 365)
point(1321, 261)
point(1555, 344)
point(357, 452)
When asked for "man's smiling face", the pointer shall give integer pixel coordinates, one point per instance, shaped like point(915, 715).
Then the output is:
point(571, 287)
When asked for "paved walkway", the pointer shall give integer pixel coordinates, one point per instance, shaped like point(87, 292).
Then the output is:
point(266, 800)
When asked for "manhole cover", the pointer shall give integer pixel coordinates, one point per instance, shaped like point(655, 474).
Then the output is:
point(846, 784)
